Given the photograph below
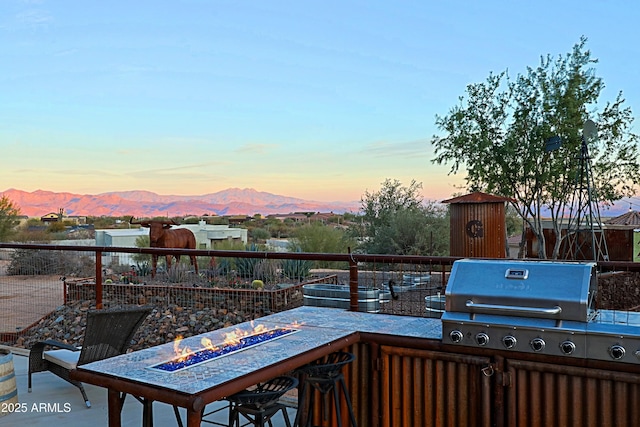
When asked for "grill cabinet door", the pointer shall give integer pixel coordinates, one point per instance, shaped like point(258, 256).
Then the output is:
point(543, 394)
point(429, 388)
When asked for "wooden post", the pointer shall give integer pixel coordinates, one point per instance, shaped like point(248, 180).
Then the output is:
point(99, 280)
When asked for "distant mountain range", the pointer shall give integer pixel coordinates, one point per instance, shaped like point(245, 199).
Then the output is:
point(232, 201)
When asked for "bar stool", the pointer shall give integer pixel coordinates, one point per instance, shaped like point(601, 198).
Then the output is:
point(260, 404)
point(325, 376)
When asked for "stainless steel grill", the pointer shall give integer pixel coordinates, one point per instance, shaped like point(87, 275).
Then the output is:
point(536, 306)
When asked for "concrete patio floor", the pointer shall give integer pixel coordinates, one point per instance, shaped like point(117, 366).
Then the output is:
point(54, 402)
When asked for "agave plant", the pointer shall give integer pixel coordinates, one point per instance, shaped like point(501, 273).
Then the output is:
point(296, 269)
point(223, 266)
point(246, 266)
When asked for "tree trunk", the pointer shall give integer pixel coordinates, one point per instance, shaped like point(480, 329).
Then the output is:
point(557, 244)
point(523, 244)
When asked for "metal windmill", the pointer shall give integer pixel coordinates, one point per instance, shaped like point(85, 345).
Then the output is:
point(585, 238)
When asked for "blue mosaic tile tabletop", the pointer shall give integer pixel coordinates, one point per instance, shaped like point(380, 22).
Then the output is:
point(335, 318)
point(316, 326)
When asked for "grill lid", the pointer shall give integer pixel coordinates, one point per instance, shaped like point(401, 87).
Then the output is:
point(541, 289)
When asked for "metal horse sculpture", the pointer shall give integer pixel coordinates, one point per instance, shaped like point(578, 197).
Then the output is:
point(162, 236)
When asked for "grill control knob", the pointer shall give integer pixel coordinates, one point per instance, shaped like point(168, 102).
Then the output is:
point(456, 336)
point(509, 341)
point(567, 347)
point(616, 352)
point(482, 339)
point(537, 344)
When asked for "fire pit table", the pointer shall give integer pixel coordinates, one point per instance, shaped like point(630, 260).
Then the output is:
point(304, 335)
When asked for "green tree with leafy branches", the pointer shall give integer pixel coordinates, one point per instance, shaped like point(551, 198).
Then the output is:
point(8, 218)
point(497, 135)
point(320, 238)
point(396, 220)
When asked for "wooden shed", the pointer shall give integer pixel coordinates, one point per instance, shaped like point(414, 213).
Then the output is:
point(478, 225)
point(621, 233)
point(623, 237)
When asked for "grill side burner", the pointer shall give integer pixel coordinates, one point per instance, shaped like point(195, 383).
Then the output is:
point(540, 307)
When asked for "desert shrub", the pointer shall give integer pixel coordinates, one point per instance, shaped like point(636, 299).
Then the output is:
point(84, 266)
point(32, 262)
point(142, 242)
point(178, 273)
point(55, 227)
point(260, 234)
point(266, 270)
point(222, 267)
point(142, 268)
point(316, 237)
point(35, 235)
point(41, 262)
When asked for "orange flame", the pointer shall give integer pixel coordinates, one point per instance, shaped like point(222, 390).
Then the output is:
point(182, 353)
point(229, 338)
point(208, 344)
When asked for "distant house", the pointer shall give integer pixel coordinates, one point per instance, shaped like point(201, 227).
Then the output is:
point(207, 235)
point(22, 219)
point(50, 217)
point(60, 216)
point(296, 217)
point(124, 238)
point(324, 217)
point(304, 216)
point(513, 246)
point(237, 219)
point(278, 245)
point(120, 237)
point(75, 219)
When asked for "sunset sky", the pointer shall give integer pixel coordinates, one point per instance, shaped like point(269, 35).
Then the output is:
point(321, 100)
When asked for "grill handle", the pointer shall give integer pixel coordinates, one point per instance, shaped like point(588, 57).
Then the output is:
point(510, 309)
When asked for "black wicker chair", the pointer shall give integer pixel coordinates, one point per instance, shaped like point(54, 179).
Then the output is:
point(108, 333)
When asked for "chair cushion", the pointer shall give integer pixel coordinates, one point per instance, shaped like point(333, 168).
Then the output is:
point(66, 358)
